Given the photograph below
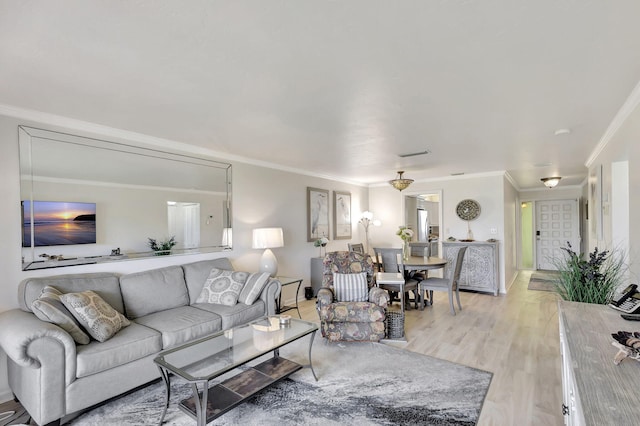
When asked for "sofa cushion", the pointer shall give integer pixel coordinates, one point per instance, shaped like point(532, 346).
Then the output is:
point(182, 324)
point(50, 308)
point(130, 344)
point(196, 273)
point(351, 287)
point(222, 287)
point(95, 315)
point(253, 287)
point(106, 285)
point(234, 315)
point(152, 291)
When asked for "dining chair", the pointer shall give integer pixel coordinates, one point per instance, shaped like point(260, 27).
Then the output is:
point(390, 259)
point(358, 247)
point(449, 285)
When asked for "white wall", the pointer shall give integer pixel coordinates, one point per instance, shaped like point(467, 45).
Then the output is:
point(261, 197)
point(624, 146)
point(510, 240)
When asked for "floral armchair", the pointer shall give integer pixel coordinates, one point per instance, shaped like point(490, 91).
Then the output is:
point(351, 320)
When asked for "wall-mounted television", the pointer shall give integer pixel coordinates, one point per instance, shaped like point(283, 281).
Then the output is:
point(57, 223)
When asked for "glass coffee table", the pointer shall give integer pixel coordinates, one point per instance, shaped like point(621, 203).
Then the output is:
point(203, 360)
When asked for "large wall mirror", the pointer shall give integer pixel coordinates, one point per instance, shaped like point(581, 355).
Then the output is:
point(86, 200)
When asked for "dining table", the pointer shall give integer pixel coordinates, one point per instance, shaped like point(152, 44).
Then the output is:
point(414, 264)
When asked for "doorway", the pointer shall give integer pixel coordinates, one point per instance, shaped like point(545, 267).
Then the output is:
point(184, 223)
point(556, 223)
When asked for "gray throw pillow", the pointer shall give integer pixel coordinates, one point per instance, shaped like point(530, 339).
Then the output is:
point(97, 316)
point(222, 287)
point(253, 287)
point(48, 307)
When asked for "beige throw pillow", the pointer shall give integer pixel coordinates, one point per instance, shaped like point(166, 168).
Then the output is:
point(48, 307)
point(96, 316)
point(222, 287)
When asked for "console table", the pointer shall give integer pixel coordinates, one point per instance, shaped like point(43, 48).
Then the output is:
point(480, 266)
point(595, 390)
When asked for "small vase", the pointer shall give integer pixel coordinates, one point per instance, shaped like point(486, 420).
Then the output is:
point(406, 250)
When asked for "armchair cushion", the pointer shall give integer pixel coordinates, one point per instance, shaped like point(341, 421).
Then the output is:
point(350, 287)
point(352, 312)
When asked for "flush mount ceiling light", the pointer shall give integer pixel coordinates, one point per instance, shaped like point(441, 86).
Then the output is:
point(400, 183)
point(551, 182)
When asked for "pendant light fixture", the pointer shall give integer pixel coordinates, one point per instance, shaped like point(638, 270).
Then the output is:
point(400, 183)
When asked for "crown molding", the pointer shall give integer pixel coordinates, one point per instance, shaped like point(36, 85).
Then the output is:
point(59, 121)
point(623, 113)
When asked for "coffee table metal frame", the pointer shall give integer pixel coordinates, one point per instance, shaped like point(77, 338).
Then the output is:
point(207, 358)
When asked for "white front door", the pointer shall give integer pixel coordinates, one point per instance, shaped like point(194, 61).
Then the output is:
point(557, 222)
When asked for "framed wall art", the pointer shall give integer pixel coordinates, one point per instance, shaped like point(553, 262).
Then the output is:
point(317, 213)
point(341, 215)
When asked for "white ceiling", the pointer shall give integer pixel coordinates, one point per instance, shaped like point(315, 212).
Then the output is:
point(337, 88)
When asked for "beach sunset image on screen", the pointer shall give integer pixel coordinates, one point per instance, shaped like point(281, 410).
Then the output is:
point(58, 223)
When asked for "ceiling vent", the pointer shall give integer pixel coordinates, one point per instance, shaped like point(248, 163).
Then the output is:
point(414, 154)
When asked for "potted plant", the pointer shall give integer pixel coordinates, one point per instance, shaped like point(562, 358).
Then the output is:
point(589, 281)
point(162, 248)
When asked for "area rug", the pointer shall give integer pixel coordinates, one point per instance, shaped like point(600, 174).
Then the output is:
point(359, 383)
point(543, 281)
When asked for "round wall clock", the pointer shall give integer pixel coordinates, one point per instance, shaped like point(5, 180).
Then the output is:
point(468, 209)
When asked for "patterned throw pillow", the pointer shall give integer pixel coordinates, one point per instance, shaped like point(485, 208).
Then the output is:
point(222, 287)
point(96, 316)
point(253, 287)
point(48, 307)
point(351, 287)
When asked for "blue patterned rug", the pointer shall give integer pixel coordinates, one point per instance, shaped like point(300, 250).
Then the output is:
point(359, 383)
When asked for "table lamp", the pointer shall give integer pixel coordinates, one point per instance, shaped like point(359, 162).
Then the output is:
point(268, 238)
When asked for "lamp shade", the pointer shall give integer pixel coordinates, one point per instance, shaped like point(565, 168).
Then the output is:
point(264, 238)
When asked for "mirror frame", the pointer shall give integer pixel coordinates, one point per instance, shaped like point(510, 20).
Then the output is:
point(34, 258)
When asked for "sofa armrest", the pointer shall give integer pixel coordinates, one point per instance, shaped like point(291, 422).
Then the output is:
point(269, 295)
point(30, 343)
point(379, 296)
point(324, 297)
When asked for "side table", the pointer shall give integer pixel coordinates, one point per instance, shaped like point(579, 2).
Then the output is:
point(285, 281)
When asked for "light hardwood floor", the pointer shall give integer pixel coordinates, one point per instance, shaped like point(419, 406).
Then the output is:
point(514, 336)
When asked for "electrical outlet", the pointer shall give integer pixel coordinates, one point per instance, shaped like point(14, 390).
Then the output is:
point(494, 231)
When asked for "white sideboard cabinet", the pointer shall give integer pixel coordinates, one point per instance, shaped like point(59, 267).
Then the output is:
point(480, 266)
point(595, 390)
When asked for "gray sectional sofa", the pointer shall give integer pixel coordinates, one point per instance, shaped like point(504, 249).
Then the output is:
point(52, 376)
